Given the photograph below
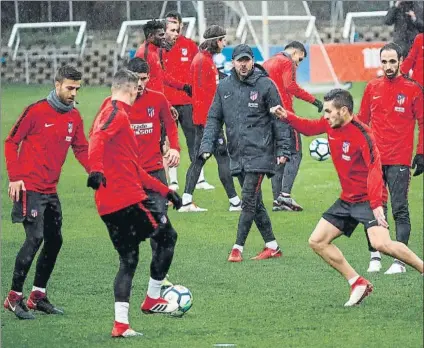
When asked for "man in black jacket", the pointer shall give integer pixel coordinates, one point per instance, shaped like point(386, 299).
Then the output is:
point(407, 19)
point(255, 141)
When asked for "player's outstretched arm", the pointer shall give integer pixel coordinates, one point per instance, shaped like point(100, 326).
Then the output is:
point(302, 125)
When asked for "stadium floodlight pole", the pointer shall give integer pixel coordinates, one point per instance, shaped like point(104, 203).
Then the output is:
point(16, 11)
point(265, 30)
point(201, 19)
point(162, 11)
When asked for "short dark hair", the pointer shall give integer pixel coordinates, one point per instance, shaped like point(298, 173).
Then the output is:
point(124, 77)
point(138, 65)
point(392, 46)
point(298, 46)
point(176, 15)
point(212, 35)
point(340, 98)
point(151, 26)
point(67, 72)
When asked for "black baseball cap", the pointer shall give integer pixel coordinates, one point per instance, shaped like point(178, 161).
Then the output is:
point(241, 51)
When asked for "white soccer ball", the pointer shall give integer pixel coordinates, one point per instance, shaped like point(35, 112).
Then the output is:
point(319, 149)
point(181, 295)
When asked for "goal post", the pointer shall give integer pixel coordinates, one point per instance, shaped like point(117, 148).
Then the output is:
point(18, 28)
point(349, 28)
point(124, 35)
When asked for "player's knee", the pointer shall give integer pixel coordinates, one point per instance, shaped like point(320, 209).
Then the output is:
point(130, 260)
point(315, 244)
point(35, 241)
point(380, 245)
point(401, 213)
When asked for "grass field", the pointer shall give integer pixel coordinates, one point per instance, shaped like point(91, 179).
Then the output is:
point(294, 301)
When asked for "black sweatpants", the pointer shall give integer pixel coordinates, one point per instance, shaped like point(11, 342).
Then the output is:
point(130, 226)
point(185, 118)
point(41, 216)
point(397, 179)
point(286, 173)
point(253, 208)
point(221, 156)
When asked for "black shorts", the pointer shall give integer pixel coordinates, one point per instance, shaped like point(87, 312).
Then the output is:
point(346, 216)
point(155, 202)
point(130, 226)
point(32, 206)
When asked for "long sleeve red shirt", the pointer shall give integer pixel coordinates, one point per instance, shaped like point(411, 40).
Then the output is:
point(113, 151)
point(282, 70)
point(148, 112)
point(38, 143)
point(415, 60)
point(158, 77)
point(204, 81)
point(177, 62)
point(391, 108)
point(355, 157)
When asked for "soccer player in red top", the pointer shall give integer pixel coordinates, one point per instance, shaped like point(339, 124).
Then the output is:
point(35, 151)
point(357, 162)
point(176, 60)
point(204, 80)
point(282, 70)
point(415, 60)
point(154, 32)
point(391, 105)
point(118, 178)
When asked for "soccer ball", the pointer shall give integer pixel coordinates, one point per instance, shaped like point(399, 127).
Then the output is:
point(319, 149)
point(181, 295)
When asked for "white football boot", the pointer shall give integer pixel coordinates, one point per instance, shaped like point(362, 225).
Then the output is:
point(204, 185)
point(396, 267)
point(191, 208)
point(374, 266)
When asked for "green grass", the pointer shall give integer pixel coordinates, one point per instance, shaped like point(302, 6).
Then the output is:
point(295, 301)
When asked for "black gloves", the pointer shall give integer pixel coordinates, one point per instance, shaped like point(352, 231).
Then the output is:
point(418, 162)
point(95, 179)
point(187, 89)
point(175, 198)
point(318, 104)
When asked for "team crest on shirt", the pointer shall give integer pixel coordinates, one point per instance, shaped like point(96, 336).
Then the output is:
point(34, 213)
point(184, 51)
point(151, 111)
point(401, 99)
point(70, 127)
point(346, 146)
point(253, 95)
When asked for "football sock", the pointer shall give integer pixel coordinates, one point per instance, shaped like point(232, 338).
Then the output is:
point(121, 312)
point(353, 280)
point(235, 200)
point(153, 291)
point(239, 247)
point(272, 245)
point(187, 198)
point(375, 255)
point(201, 176)
point(173, 177)
point(16, 292)
point(43, 290)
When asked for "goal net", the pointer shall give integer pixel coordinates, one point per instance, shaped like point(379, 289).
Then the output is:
point(271, 25)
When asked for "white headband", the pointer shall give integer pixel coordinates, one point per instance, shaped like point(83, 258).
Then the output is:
point(215, 37)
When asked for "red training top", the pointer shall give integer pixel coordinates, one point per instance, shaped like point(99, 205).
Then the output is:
point(177, 62)
point(355, 157)
point(391, 107)
point(113, 151)
point(204, 81)
point(415, 60)
point(38, 143)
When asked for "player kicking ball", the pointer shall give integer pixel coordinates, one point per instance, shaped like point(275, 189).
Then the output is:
point(358, 166)
point(119, 180)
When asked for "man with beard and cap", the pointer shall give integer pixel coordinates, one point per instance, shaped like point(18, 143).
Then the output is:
point(256, 142)
point(392, 104)
point(205, 78)
point(176, 59)
point(35, 151)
